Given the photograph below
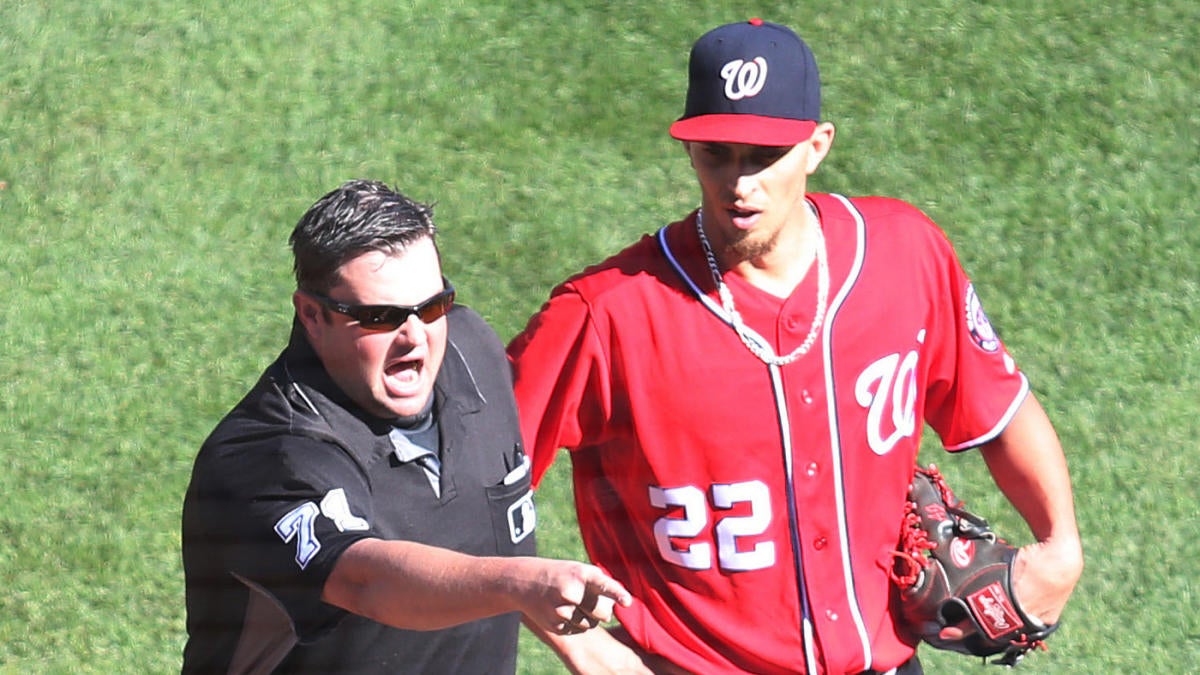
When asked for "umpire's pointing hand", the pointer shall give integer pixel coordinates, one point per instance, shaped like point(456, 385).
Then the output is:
point(566, 597)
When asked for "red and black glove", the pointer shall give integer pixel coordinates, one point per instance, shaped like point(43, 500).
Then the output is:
point(951, 568)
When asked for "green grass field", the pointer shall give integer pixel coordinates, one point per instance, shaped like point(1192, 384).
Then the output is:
point(155, 155)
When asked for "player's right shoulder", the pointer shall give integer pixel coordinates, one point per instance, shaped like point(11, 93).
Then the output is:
point(639, 264)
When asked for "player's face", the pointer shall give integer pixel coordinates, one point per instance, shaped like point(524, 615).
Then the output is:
point(752, 194)
point(390, 373)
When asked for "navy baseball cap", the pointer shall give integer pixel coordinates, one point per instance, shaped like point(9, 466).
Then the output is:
point(752, 82)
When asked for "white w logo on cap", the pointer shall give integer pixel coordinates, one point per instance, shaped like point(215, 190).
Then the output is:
point(744, 79)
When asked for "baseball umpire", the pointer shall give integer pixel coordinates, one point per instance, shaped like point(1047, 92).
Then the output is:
point(743, 396)
point(366, 508)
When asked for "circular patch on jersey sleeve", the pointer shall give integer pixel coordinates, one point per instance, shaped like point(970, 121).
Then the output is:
point(978, 324)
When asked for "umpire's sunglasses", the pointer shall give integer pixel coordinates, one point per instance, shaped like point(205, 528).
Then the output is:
point(391, 317)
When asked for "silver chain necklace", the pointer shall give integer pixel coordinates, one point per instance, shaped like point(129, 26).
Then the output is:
point(764, 352)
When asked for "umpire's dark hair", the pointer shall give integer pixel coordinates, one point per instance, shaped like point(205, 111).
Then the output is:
point(358, 217)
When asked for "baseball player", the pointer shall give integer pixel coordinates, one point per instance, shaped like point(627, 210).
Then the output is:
point(366, 508)
point(743, 395)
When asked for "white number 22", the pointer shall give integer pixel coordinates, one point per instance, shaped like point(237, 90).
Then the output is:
point(694, 519)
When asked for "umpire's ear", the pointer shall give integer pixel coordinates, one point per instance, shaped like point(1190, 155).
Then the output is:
point(310, 313)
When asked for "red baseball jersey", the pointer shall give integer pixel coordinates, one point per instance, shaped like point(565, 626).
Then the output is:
point(751, 509)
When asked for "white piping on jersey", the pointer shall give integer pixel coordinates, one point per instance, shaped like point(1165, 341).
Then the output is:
point(785, 430)
point(835, 445)
point(708, 302)
point(1008, 416)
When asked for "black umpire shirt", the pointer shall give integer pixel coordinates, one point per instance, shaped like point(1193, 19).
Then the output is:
point(296, 473)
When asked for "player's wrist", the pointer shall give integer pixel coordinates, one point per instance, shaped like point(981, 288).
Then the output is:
point(1063, 555)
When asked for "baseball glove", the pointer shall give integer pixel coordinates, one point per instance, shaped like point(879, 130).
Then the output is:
point(952, 568)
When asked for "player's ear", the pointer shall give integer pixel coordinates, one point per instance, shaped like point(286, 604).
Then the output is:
point(821, 141)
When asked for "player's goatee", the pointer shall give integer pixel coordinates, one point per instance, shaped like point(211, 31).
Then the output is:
point(743, 246)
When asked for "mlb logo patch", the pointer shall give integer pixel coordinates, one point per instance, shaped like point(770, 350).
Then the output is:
point(522, 518)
